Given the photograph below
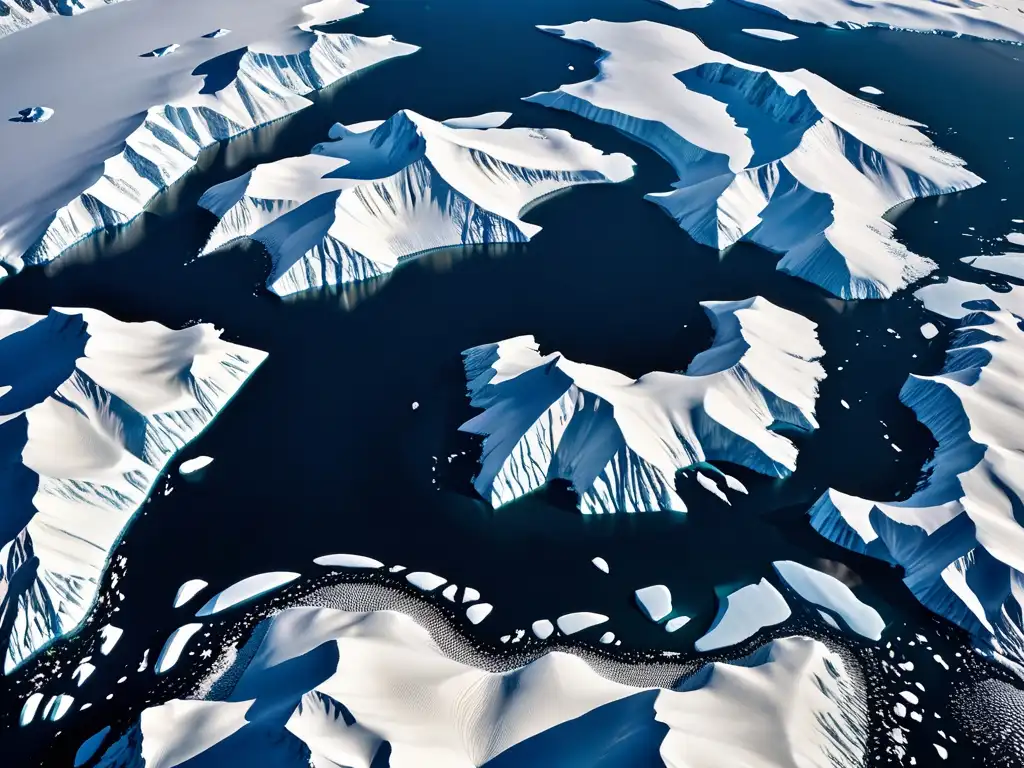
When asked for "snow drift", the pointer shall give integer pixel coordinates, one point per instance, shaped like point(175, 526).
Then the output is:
point(91, 411)
point(785, 160)
point(135, 125)
point(959, 537)
point(382, 192)
point(328, 687)
point(619, 442)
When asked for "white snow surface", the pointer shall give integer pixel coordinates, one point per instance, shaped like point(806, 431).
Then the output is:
point(620, 442)
point(744, 613)
point(1011, 264)
point(97, 409)
point(130, 126)
point(381, 192)
point(173, 647)
point(950, 297)
point(831, 594)
point(335, 686)
point(21, 14)
point(785, 160)
point(188, 590)
point(771, 34)
point(959, 537)
point(248, 588)
point(655, 601)
point(348, 561)
point(999, 20)
point(194, 465)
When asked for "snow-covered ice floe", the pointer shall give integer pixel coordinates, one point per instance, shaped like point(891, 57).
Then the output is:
point(619, 442)
point(999, 20)
point(91, 412)
point(959, 537)
point(380, 192)
point(132, 126)
point(247, 589)
point(744, 613)
point(785, 160)
point(339, 688)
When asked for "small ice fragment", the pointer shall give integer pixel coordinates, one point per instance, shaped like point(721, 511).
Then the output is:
point(941, 661)
point(655, 601)
point(246, 589)
point(58, 706)
point(415, 405)
point(396, 568)
point(607, 637)
point(505, 638)
point(677, 623)
point(156, 53)
point(845, 404)
point(941, 750)
point(871, 90)
point(81, 674)
point(929, 331)
point(348, 561)
point(188, 590)
point(425, 580)
point(479, 612)
point(909, 697)
point(194, 465)
point(470, 595)
point(542, 629)
point(175, 644)
point(109, 636)
point(450, 592)
point(33, 115)
point(600, 563)
point(900, 709)
point(571, 623)
point(572, 68)
point(28, 711)
point(770, 34)
point(710, 485)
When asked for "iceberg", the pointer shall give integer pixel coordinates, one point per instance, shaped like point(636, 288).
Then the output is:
point(601, 564)
point(744, 613)
point(959, 537)
point(771, 34)
point(188, 590)
point(830, 594)
point(148, 119)
point(619, 442)
point(470, 595)
point(247, 589)
point(655, 601)
point(998, 20)
point(348, 561)
point(542, 629)
point(92, 412)
point(327, 687)
point(175, 644)
point(479, 612)
point(425, 580)
point(33, 115)
point(195, 465)
point(382, 192)
point(785, 160)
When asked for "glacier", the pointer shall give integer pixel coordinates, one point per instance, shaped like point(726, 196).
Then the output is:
point(959, 537)
point(999, 20)
point(619, 442)
point(329, 687)
point(21, 14)
point(132, 126)
point(381, 192)
point(92, 410)
point(785, 160)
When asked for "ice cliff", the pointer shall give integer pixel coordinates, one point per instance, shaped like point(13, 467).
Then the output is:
point(959, 537)
point(91, 411)
point(785, 160)
point(381, 192)
point(619, 442)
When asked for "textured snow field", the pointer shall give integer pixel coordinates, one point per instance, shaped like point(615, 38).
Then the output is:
point(100, 87)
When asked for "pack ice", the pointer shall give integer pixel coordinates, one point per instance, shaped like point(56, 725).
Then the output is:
point(785, 160)
point(91, 411)
point(131, 125)
point(619, 442)
point(328, 687)
point(959, 537)
point(384, 191)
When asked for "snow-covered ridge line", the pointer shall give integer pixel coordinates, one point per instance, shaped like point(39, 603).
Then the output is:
point(959, 537)
point(92, 410)
point(21, 14)
point(381, 192)
point(785, 160)
point(999, 20)
point(620, 442)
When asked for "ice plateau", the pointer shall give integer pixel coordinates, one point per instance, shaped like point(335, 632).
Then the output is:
point(785, 160)
point(136, 125)
point(91, 412)
point(380, 192)
point(327, 687)
point(959, 537)
point(619, 442)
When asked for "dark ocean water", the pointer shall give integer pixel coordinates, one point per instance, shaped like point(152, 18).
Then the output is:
point(322, 451)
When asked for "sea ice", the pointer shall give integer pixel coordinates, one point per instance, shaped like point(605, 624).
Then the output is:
point(571, 623)
point(469, 595)
point(655, 601)
point(949, 298)
point(685, 5)
point(450, 592)
point(33, 115)
point(21, 14)
point(28, 710)
point(785, 160)
point(109, 635)
point(194, 465)
point(82, 672)
point(830, 593)
point(425, 580)
point(1011, 264)
point(382, 192)
point(98, 409)
point(607, 637)
point(348, 561)
point(929, 331)
point(620, 441)
point(188, 590)
point(248, 588)
point(58, 706)
point(542, 629)
point(600, 563)
point(676, 623)
point(173, 647)
point(744, 613)
point(771, 34)
point(479, 612)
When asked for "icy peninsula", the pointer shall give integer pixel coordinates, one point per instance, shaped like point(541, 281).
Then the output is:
point(136, 126)
point(785, 160)
point(381, 192)
point(91, 412)
point(620, 442)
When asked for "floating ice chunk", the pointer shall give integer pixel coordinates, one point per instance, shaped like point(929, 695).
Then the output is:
point(929, 331)
point(941, 662)
point(607, 637)
point(33, 115)
point(828, 592)
point(247, 589)
point(469, 595)
point(655, 601)
point(912, 698)
point(188, 590)
point(871, 90)
point(58, 706)
point(396, 568)
point(685, 5)
point(82, 672)
point(194, 465)
point(415, 405)
point(28, 710)
point(948, 298)
point(710, 485)
point(425, 580)
point(173, 647)
point(600, 563)
point(571, 623)
point(735, 485)
point(165, 50)
point(348, 561)
point(450, 592)
point(1011, 264)
point(1017, 238)
point(144, 664)
point(845, 404)
point(943, 752)
point(771, 34)
point(479, 612)
point(542, 629)
point(109, 635)
point(743, 614)
point(217, 33)
point(677, 623)
point(90, 747)
point(829, 620)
